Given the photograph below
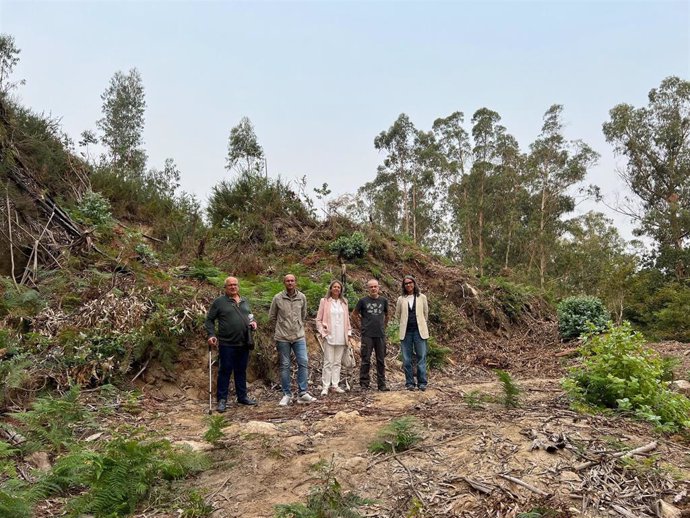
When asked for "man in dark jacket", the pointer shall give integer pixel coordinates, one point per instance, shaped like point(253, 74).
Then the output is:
point(232, 314)
point(373, 310)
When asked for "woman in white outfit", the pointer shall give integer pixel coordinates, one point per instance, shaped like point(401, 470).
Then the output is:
point(333, 324)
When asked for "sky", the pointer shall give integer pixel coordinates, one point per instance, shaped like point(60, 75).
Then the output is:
point(320, 79)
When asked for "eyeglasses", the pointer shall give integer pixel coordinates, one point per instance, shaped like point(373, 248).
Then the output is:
point(409, 283)
point(373, 287)
point(232, 284)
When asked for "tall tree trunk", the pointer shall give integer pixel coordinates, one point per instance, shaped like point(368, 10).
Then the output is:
point(414, 213)
point(542, 226)
point(510, 239)
point(468, 224)
point(481, 228)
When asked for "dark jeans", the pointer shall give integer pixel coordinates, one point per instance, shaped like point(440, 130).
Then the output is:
point(378, 346)
point(233, 359)
point(413, 346)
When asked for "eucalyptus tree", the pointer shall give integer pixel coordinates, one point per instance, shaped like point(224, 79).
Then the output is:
point(380, 199)
point(398, 166)
point(454, 152)
point(9, 57)
point(510, 200)
point(656, 141)
point(556, 165)
point(486, 131)
point(122, 124)
point(245, 154)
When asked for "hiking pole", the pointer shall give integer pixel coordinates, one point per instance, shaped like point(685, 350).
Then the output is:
point(210, 382)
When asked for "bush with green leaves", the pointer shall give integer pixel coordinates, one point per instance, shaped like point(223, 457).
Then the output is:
point(400, 435)
point(618, 371)
point(577, 315)
point(94, 209)
point(250, 203)
point(354, 246)
point(145, 254)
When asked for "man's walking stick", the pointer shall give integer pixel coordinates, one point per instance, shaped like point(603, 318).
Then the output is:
point(210, 383)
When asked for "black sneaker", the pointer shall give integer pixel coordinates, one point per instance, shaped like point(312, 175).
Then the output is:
point(222, 405)
point(410, 387)
point(422, 388)
point(384, 388)
point(246, 401)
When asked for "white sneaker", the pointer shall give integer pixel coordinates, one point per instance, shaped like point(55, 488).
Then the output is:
point(338, 389)
point(285, 401)
point(324, 392)
point(306, 398)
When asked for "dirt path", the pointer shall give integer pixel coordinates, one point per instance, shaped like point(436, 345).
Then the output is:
point(269, 454)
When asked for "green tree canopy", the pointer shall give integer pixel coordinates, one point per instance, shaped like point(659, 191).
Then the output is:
point(123, 123)
point(245, 155)
point(656, 141)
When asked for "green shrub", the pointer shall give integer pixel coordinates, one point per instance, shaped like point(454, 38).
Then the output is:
point(400, 435)
point(672, 320)
point(618, 371)
point(251, 203)
point(94, 209)
point(354, 246)
point(575, 314)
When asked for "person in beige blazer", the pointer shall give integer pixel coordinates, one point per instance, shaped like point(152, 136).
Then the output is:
point(412, 311)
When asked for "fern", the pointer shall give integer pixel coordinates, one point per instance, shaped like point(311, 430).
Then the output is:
point(51, 421)
point(399, 435)
point(323, 501)
point(119, 478)
point(15, 499)
point(510, 390)
point(215, 433)
point(6, 462)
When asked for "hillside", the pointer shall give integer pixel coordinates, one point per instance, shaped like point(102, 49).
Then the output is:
point(115, 307)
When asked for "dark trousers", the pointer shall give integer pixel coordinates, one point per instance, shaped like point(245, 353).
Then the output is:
point(233, 359)
point(378, 346)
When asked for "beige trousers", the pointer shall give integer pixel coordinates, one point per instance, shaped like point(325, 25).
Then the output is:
point(332, 358)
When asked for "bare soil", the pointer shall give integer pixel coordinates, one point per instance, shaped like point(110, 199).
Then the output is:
point(477, 458)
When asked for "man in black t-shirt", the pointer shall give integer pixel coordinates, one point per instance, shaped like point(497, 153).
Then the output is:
point(373, 311)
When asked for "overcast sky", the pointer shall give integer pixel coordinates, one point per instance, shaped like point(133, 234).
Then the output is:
point(321, 79)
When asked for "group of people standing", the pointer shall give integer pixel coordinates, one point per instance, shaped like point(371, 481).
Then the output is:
point(229, 324)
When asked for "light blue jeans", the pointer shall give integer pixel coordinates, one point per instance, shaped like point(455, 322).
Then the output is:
point(299, 347)
point(414, 343)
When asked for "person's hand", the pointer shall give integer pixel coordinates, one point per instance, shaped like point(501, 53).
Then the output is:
point(212, 341)
point(253, 325)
